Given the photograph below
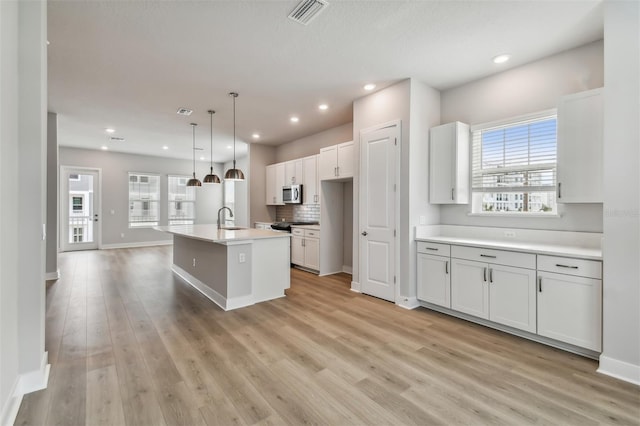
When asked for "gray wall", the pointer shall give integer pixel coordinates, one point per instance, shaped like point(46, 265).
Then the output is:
point(51, 268)
point(310, 145)
point(23, 115)
point(241, 191)
point(529, 88)
point(621, 316)
point(260, 156)
point(115, 167)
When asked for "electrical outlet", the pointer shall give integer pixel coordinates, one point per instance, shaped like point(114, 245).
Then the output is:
point(510, 234)
point(241, 258)
point(112, 211)
point(194, 262)
point(122, 235)
point(423, 220)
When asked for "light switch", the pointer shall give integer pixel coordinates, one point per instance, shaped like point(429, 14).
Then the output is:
point(112, 211)
point(241, 258)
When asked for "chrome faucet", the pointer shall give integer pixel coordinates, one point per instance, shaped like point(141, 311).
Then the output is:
point(220, 211)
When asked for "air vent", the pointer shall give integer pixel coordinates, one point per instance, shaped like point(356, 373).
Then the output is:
point(184, 111)
point(306, 10)
point(116, 139)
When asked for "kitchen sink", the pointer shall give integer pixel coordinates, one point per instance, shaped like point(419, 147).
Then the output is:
point(232, 228)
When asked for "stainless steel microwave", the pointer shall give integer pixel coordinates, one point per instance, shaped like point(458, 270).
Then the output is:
point(292, 194)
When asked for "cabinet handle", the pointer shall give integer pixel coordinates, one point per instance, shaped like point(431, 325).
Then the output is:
point(303, 244)
point(539, 284)
point(431, 248)
point(338, 171)
point(559, 189)
point(335, 171)
point(566, 266)
point(491, 275)
point(484, 273)
point(488, 255)
point(452, 194)
point(446, 267)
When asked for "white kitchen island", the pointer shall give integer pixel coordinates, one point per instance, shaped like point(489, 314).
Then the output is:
point(232, 267)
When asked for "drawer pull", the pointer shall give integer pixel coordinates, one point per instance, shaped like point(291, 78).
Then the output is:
point(539, 284)
point(488, 255)
point(566, 266)
point(484, 273)
point(491, 275)
point(431, 248)
point(446, 267)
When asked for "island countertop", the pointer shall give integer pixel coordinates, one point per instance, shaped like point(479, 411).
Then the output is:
point(211, 233)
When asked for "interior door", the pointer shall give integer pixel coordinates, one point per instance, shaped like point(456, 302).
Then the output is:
point(378, 212)
point(80, 209)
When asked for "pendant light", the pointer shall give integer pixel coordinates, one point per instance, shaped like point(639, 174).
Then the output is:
point(211, 177)
point(234, 174)
point(194, 181)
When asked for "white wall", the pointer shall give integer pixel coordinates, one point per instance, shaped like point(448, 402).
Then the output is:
point(311, 145)
point(241, 192)
point(115, 167)
point(23, 88)
point(621, 251)
point(51, 268)
point(259, 157)
point(529, 88)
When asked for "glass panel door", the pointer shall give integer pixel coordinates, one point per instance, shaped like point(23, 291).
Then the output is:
point(80, 212)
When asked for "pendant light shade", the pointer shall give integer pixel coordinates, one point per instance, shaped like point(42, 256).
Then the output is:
point(234, 174)
point(194, 181)
point(211, 177)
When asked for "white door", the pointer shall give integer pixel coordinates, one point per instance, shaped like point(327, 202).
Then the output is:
point(328, 162)
point(378, 212)
point(441, 153)
point(512, 297)
point(469, 287)
point(312, 253)
point(80, 209)
point(434, 280)
point(297, 250)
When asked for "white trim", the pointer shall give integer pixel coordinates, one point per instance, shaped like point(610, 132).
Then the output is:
point(347, 269)
point(355, 287)
point(11, 406)
point(138, 244)
point(52, 275)
point(619, 369)
point(408, 302)
point(519, 119)
point(523, 215)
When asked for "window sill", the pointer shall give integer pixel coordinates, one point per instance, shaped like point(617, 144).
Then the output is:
point(518, 215)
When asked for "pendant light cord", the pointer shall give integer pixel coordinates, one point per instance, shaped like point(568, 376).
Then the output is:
point(193, 149)
point(235, 95)
point(211, 112)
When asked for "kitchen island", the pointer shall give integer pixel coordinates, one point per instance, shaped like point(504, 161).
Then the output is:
point(232, 267)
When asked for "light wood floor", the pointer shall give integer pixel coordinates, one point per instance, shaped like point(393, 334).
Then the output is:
point(129, 343)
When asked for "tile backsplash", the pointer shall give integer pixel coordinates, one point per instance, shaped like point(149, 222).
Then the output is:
point(298, 213)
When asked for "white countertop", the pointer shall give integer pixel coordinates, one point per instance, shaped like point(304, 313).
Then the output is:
point(553, 243)
point(313, 227)
point(221, 236)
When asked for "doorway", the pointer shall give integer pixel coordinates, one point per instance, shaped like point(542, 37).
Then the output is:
point(80, 208)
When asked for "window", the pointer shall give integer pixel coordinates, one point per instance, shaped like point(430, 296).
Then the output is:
point(77, 204)
point(514, 166)
point(144, 198)
point(182, 200)
point(78, 234)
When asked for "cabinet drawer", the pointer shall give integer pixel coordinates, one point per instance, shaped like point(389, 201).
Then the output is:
point(434, 248)
point(311, 233)
point(569, 266)
point(500, 257)
point(297, 231)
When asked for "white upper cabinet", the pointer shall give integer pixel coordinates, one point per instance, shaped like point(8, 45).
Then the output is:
point(449, 164)
point(274, 184)
point(310, 181)
point(337, 161)
point(293, 172)
point(580, 148)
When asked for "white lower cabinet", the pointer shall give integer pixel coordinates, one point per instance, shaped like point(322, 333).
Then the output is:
point(469, 288)
point(305, 248)
point(512, 297)
point(570, 306)
point(434, 279)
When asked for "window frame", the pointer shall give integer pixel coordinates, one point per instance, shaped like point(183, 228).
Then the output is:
point(183, 202)
point(477, 195)
point(149, 200)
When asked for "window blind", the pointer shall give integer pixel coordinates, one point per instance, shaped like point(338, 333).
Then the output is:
point(515, 157)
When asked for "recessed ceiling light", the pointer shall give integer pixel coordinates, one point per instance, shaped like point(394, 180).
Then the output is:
point(294, 119)
point(323, 107)
point(369, 86)
point(501, 59)
point(104, 147)
point(109, 130)
point(256, 136)
point(165, 147)
point(116, 139)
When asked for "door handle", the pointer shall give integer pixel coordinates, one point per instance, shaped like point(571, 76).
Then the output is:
point(365, 233)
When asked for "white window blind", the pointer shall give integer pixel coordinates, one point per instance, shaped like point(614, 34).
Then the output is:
point(516, 157)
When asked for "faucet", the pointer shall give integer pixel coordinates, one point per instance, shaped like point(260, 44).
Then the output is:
point(220, 211)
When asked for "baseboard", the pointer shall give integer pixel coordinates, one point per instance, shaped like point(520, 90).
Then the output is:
point(619, 369)
point(11, 406)
point(408, 302)
point(355, 287)
point(35, 380)
point(347, 269)
point(52, 275)
point(135, 245)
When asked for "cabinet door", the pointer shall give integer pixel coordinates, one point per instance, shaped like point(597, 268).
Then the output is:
point(570, 309)
point(441, 164)
point(470, 287)
point(434, 280)
point(512, 297)
point(312, 253)
point(328, 162)
point(580, 136)
point(297, 250)
point(279, 182)
point(310, 182)
point(345, 159)
point(293, 172)
point(270, 185)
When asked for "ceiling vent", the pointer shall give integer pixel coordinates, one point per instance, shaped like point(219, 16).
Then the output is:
point(116, 139)
point(184, 111)
point(306, 10)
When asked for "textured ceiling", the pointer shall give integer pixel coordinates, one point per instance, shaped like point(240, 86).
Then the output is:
point(131, 64)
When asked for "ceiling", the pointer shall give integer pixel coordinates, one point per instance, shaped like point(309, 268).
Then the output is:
point(130, 65)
